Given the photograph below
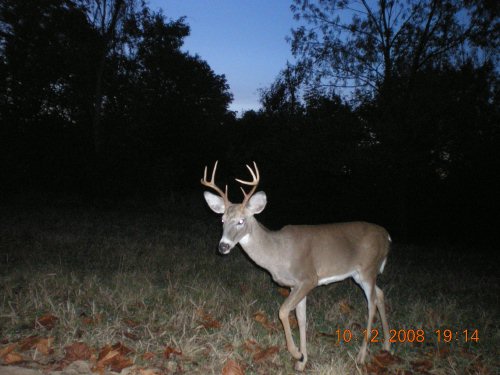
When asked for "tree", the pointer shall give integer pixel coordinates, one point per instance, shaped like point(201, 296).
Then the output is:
point(365, 45)
point(162, 104)
point(282, 97)
point(134, 109)
point(107, 17)
point(383, 52)
point(46, 58)
point(45, 44)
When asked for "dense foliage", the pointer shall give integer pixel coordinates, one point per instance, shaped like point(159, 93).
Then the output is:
point(414, 142)
point(109, 109)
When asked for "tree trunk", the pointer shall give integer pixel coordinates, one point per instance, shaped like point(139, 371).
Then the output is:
point(108, 39)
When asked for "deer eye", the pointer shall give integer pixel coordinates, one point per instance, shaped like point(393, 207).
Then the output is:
point(222, 220)
point(241, 221)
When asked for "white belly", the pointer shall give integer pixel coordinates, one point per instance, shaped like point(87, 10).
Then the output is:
point(333, 279)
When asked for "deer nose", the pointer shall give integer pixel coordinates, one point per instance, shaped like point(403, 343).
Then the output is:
point(224, 247)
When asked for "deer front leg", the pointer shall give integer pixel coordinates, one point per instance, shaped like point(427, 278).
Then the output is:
point(297, 295)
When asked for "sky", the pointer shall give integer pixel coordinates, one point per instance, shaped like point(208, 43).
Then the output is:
point(242, 39)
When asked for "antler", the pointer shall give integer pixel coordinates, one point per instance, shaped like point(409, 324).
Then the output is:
point(211, 184)
point(254, 183)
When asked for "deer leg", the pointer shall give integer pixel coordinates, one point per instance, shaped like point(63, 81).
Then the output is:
point(297, 295)
point(300, 310)
point(383, 317)
point(369, 289)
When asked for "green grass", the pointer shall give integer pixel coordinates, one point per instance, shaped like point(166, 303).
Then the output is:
point(146, 277)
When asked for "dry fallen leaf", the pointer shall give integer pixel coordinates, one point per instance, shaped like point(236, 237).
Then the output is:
point(149, 371)
point(259, 354)
point(44, 345)
point(207, 320)
point(107, 355)
point(381, 362)
point(148, 356)
point(330, 336)
point(28, 343)
point(47, 321)
point(77, 351)
point(12, 358)
point(232, 368)
point(344, 307)
point(260, 317)
point(122, 349)
point(250, 346)
point(264, 354)
point(91, 320)
point(121, 362)
point(285, 292)
point(130, 323)
point(384, 359)
point(113, 357)
point(171, 351)
point(7, 349)
point(422, 365)
point(373, 369)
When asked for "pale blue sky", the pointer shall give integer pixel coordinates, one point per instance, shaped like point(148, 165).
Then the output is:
point(243, 39)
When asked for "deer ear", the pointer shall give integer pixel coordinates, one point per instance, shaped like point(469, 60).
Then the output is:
point(215, 202)
point(257, 203)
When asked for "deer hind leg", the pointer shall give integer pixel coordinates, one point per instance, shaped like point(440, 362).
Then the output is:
point(296, 297)
point(371, 297)
point(383, 317)
point(300, 311)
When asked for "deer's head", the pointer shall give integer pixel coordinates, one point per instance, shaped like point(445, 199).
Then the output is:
point(237, 219)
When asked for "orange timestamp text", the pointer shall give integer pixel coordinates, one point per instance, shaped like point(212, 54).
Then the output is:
point(411, 335)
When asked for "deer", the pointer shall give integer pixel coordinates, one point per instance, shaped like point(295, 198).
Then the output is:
point(302, 257)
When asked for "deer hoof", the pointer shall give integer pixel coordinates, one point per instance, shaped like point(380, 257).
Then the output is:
point(301, 364)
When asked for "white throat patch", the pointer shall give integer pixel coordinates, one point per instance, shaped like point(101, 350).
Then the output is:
point(245, 239)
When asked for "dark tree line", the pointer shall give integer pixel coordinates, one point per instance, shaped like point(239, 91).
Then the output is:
point(339, 162)
point(98, 94)
point(390, 113)
point(415, 140)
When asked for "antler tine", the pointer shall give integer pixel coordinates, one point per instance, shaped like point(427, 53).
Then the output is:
point(255, 176)
point(211, 184)
point(213, 172)
point(254, 183)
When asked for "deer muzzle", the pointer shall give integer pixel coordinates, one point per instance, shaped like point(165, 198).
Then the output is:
point(224, 248)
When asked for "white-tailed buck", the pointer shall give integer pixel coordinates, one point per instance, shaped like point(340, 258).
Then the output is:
point(302, 257)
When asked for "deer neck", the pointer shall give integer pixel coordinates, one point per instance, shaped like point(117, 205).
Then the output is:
point(260, 244)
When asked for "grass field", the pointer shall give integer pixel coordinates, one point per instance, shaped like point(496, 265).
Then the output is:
point(149, 278)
